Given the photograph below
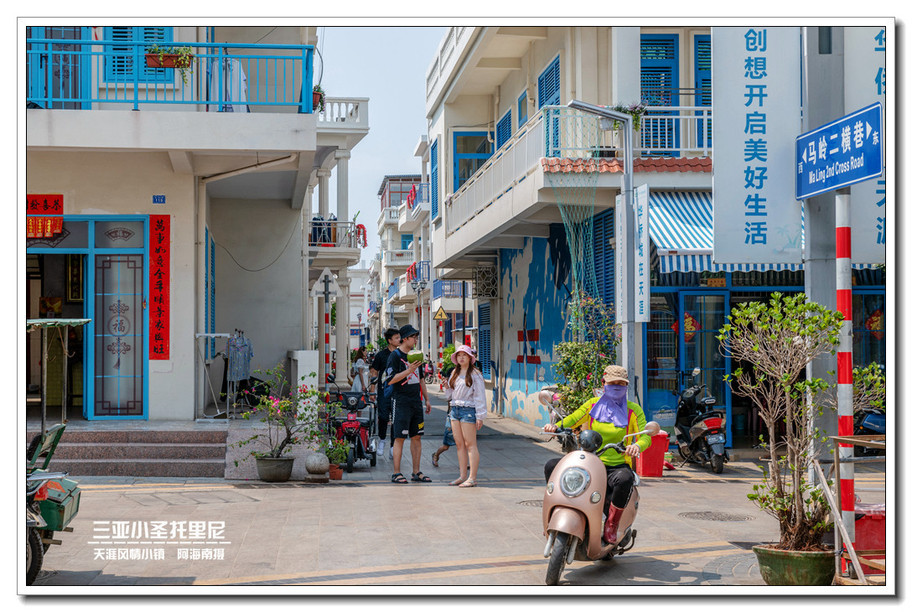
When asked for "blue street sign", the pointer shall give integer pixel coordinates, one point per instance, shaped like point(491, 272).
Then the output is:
point(840, 153)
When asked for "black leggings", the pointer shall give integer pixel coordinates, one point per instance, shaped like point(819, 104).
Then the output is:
point(620, 482)
point(383, 418)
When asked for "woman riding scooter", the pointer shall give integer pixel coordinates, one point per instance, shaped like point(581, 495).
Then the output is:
point(612, 416)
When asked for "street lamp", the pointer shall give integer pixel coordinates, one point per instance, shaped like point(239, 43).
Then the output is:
point(418, 285)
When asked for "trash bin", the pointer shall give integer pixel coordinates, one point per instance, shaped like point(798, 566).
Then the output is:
point(651, 462)
point(871, 531)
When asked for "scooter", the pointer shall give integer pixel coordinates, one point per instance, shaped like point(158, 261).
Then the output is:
point(572, 509)
point(355, 429)
point(38, 488)
point(700, 429)
point(870, 421)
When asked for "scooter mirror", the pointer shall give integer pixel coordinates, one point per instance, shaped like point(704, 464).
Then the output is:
point(652, 428)
point(544, 396)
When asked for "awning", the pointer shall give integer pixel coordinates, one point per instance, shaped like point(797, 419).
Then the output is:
point(680, 226)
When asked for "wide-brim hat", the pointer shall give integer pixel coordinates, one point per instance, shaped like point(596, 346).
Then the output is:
point(406, 331)
point(615, 374)
point(465, 348)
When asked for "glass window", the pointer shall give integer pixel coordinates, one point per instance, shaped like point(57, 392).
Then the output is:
point(75, 235)
point(470, 151)
point(118, 234)
point(522, 110)
point(869, 342)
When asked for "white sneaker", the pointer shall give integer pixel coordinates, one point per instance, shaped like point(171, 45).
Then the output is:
point(391, 451)
point(381, 447)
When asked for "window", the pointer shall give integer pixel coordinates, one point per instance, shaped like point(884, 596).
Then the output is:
point(603, 255)
point(470, 150)
point(659, 87)
point(504, 129)
point(522, 110)
point(121, 60)
point(406, 241)
point(435, 198)
point(549, 85)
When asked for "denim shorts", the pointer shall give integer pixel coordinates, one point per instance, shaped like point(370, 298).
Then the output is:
point(463, 414)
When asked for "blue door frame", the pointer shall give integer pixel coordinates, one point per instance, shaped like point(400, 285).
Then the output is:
point(88, 305)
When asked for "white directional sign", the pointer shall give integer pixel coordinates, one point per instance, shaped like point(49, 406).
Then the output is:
point(840, 153)
point(319, 287)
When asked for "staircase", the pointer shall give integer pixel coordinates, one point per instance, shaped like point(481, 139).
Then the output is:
point(141, 453)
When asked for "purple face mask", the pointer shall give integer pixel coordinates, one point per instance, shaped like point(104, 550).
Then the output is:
point(612, 406)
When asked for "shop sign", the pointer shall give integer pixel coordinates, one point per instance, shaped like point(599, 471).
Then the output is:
point(44, 204)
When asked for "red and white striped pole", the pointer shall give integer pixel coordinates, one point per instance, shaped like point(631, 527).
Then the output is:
point(844, 381)
point(439, 346)
point(326, 340)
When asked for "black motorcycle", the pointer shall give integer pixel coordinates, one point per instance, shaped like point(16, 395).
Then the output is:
point(700, 429)
point(870, 421)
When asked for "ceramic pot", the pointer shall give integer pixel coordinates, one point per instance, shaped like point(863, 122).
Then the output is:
point(274, 469)
point(796, 567)
point(335, 472)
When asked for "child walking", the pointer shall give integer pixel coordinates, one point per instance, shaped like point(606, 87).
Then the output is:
point(466, 393)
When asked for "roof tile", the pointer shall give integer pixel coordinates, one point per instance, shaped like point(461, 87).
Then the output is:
point(640, 164)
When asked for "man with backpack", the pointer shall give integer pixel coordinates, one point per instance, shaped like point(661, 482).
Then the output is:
point(408, 390)
point(378, 375)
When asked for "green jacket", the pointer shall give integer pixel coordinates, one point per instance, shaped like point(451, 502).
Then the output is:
point(609, 432)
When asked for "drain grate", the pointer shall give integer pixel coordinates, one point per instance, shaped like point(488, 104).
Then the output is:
point(532, 503)
point(715, 516)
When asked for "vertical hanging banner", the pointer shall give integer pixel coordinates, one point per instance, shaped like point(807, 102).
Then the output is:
point(160, 286)
point(756, 102)
point(865, 83)
point(641, 254)
point(620, 258)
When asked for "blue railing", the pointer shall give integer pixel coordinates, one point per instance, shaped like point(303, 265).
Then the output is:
point(223, 77)
point(393, 289)
point(450, 288)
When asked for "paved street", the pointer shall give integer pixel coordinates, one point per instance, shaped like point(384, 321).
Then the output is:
point(695, 528)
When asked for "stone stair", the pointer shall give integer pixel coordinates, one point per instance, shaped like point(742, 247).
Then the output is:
point(141, 453)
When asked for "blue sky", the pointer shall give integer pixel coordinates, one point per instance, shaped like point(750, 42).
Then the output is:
point(387, 65)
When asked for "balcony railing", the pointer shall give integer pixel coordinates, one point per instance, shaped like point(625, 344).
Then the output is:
point(342, 234)
point(223, 77)
point(388, 215)
point(420, 270)
point(451, 289)
point(559, 131)
point(393, 290)
point(399, 257)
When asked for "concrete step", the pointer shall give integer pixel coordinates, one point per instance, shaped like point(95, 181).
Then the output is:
point(141, 453)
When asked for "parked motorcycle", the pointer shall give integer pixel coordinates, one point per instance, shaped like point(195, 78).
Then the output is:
point(572, 510)
point(870, 421)
point(59, 503)
point(38, 490)
point(358, 431)
point(700, 429)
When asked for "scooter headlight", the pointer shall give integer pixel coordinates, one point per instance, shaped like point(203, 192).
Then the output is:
point(574, 481)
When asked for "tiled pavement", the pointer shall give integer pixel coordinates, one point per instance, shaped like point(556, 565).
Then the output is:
point(695, 529)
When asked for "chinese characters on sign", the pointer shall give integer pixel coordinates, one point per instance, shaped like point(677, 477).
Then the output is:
point(43, 204)
point(866, 82)
point(149, 540)
point(159, 286)
point(756, 115)
point(641, 253)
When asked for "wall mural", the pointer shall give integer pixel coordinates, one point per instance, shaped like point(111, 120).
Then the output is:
point(536, 292)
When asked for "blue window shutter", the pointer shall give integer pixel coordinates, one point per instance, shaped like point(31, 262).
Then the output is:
point(435, 210)
point(602, 233)
point(522, 110)
point(659, 87)
point(549, 85)
point(703, 82)
point(504, 127)
point(119, 59)
point(484, 339)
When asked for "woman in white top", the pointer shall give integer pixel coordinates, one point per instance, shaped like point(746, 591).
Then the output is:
point(465, 391)
point(360, 367)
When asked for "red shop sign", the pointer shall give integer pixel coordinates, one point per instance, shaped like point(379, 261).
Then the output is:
point(44, 204)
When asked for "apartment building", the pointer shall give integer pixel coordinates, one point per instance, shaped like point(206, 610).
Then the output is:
point(170, 205)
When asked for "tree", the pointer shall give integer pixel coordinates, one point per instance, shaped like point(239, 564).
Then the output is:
point(779, 340)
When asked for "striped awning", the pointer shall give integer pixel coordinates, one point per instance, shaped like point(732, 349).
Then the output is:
point(680, 226)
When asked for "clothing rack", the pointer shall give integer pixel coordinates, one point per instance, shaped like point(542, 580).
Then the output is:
point(219, 414)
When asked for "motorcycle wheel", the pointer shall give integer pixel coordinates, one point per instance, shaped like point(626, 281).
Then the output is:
point(718, 463)
point(350, 462)
point(34, 556)
point(45, 534)
point(558, 558)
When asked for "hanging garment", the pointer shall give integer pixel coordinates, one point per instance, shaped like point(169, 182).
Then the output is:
point(228, 86)
point(240, 353)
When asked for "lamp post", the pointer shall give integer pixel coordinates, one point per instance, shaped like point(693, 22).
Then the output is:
point(418, 285)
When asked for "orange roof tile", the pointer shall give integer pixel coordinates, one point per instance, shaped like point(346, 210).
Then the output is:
point(640, 164)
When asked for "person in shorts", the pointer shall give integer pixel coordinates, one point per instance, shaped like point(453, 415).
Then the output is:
point(408, 393)
point(378, 374)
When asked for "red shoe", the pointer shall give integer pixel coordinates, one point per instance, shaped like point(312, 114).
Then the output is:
point(611, 524)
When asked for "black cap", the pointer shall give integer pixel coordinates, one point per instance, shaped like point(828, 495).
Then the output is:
point(407, 331)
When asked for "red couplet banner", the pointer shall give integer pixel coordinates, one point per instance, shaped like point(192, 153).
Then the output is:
point(160, 286)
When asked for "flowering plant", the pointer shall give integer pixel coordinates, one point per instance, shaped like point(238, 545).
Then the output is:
point(291, 418)
point(635, 110)
point(335, 450)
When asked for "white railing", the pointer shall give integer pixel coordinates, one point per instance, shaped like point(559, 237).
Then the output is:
point(343, 112)
point(444, 59)
point(388, 215)
point(666, 131)
point(399, 257)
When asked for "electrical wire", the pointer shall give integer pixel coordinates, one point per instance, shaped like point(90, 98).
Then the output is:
point(271, 263)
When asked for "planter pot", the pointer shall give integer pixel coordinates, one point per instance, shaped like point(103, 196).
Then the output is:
point(317, 100)
point(796, 567)
point(335, 472)
point(274, 469)
point(316, 463)
point(168, 60)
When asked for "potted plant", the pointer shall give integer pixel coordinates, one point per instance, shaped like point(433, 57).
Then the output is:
point(337, 452)
point(290, 418)
point(180, 58)
point(636, 111)
point(318, 98)
point(779, 339)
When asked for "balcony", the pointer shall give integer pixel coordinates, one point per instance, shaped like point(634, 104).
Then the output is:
point(447, 294)
point(223, 77)
point(557, 131)
point(399, 257)
point(333, 244)
point(388, 216)
point(393, 290)
point(416, 208)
